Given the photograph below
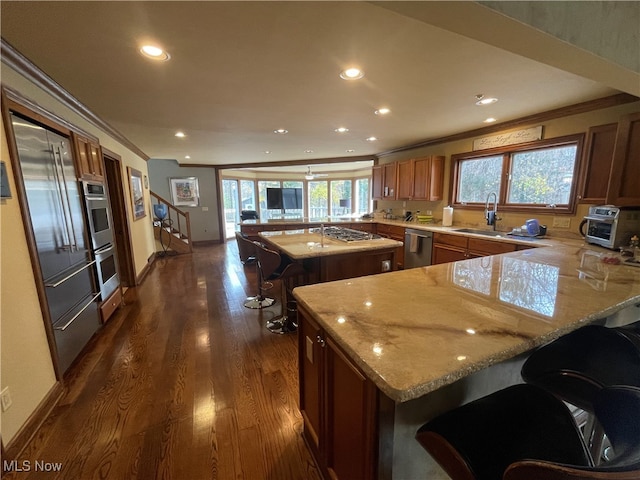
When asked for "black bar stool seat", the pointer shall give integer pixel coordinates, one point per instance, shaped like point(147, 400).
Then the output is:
point(247, 253)
point(279, 267)
point(523, 429)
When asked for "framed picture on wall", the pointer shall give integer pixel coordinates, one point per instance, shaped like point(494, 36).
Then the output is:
point(184, 191)
point(137, 193)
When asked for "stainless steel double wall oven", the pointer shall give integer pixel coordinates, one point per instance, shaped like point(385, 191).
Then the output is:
point(101, 234)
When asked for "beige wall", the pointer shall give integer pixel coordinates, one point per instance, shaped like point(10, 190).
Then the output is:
point(26, 366)
point(554, 128)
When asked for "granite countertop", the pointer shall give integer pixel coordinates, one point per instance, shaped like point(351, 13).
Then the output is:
point(414, 331)
point(301, 244)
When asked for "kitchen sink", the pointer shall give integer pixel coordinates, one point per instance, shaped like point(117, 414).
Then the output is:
point(488, 233)
point(491, 233)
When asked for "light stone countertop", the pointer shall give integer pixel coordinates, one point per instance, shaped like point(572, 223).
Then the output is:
point(301, 244)
point(416, 330)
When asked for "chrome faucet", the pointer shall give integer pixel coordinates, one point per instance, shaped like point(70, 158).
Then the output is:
point(491, 215)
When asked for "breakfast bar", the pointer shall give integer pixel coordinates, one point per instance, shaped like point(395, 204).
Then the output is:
point(389, 352)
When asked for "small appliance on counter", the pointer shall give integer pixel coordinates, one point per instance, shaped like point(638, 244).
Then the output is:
point(531, 228)
point(610, 226)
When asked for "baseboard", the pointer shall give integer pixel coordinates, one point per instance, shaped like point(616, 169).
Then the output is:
point(201, 243)
point(20, 440)
point(145, 271)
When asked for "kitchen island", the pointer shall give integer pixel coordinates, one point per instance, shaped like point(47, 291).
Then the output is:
point(389, 352)
point(327, 259)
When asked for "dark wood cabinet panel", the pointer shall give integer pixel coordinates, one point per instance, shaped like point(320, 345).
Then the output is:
point(447, 254)
point(395, 232)
point(625, 170)
point(453, 240)
point(350, 418)
point(436, 179)
point(597, 163)
point(390, 179)
point(309, 362)
point(338, 405)
point(405, 180)
point(488, 247)
point(452, 248)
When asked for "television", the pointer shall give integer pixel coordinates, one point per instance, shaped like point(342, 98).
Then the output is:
point(274, 199)
point(284, 198)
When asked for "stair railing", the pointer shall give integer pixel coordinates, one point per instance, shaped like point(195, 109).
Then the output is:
point(178, 219)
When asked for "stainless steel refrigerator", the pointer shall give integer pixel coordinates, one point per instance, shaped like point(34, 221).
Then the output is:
point(58, 222)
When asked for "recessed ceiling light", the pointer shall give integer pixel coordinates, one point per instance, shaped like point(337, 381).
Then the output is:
point(180, 134)
point(485, 101)
point(155, 53)
point(341, 130)
point(267, 152)
point(281, 131)
point(352, 73)
point(308, 151)
point(351, 150)
point(187, 157)
point(489, 120)
point(371, 139)
point(382, 111)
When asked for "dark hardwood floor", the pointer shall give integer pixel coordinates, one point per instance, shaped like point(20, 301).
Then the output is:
point(182, 383)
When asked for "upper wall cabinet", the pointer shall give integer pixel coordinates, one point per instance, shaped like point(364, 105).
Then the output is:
point(625, 170)
point(428, 178)
point(597, 163)
point(88, 158)
point(384, 181)
point(421, 179)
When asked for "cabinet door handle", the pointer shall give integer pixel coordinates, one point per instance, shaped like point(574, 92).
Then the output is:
point(320, 341)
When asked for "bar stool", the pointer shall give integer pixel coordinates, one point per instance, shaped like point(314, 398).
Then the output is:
point(577, 366)
point(526, 433)
point(247, 250)
point(278, 267)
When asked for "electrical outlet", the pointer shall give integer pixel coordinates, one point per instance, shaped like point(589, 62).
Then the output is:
point(5, 397)
point(561, 222)
point(386, 265)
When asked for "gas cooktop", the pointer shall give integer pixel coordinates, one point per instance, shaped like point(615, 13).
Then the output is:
point(346, 234)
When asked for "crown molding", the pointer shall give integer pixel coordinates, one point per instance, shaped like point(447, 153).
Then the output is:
point(22, 65)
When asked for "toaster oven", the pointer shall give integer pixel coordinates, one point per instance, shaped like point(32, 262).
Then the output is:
point(610, 226)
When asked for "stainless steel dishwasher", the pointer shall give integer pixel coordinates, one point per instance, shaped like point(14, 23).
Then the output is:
point(417, 248)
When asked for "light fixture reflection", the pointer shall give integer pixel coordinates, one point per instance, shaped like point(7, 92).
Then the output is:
point(180, 134)
point(461, 358)
point(470, 331)
point(377, 349)
point(341, 320)
point(382, 111)
point(367, 303)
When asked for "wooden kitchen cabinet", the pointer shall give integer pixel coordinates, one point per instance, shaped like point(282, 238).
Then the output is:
point(428, 178)
point(405, 180)
point(452, 248)
point(383, 181)
point(597, 163)
point(625, 169)
point(88, 159)
point(338, 405)
point(394, 232)
point(390, 179)
point(421, 179)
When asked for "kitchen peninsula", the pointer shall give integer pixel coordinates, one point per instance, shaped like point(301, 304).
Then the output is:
point(389, 352)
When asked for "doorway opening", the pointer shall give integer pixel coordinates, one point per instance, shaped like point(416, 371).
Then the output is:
point(122, 234)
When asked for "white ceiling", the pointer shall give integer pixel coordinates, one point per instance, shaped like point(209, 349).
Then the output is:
point(239, 70)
